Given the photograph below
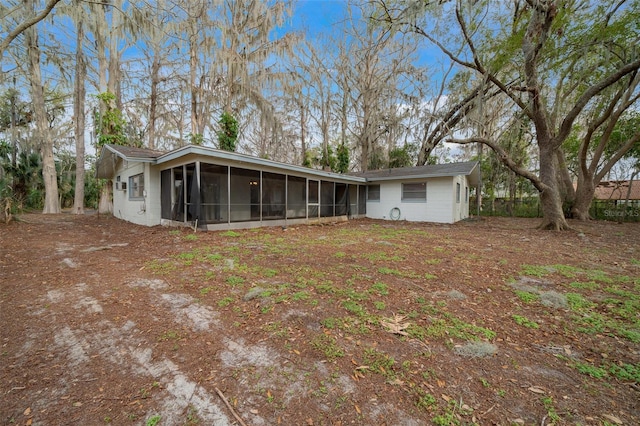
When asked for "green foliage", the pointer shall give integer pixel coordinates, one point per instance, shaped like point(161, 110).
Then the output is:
point(110, 123)
point(342, 159)
point(195, 139)
point(228, 133)
point(402, 156)
point(21, 184)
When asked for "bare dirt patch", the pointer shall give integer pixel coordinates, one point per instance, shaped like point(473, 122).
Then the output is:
point(365, 322)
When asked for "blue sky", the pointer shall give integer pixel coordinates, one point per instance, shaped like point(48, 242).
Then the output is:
point(313, 16)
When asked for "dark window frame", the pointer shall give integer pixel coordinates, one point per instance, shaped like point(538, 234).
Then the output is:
point(136, 187)
point(371, 195)
point(414, 192)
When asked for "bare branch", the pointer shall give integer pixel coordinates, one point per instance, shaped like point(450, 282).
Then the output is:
point(505, 158)
point(568, 121)
point(26, 24)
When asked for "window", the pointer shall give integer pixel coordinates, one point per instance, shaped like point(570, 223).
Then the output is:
point(136, 187)
point(457, 192)
point(414, 191)
point(373, 193)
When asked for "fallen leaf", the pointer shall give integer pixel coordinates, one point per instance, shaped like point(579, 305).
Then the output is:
point(253, 411)
point(77, 404)
point(395, 325)
point(357, 409)
point(268, 393)
point(612, 418)
point(446, 398)
point(441, 383)
point(535, 389)
point(29, 422)
point(27, 411)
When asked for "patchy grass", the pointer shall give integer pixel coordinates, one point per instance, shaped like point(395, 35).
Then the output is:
point(367, 321)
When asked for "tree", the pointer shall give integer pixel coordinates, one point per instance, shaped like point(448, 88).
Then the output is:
point(342, 158)
point(536, 57)
point(228, 133)
point(79, 94)
point(51, 202)
point(33, 18)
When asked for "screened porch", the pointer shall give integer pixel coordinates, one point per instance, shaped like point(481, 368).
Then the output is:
point(203, 193)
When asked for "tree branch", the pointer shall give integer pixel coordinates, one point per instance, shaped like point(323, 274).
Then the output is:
point(26, 24)
point(567, 123)
point(506, 160)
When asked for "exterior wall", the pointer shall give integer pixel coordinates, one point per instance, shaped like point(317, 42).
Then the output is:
point(145, 211)
point(461, 207)
point(440, 207)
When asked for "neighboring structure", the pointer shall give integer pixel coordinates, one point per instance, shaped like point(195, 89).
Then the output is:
point(206, 187)
point(618, 191)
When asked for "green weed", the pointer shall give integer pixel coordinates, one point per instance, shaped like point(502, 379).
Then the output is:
point(153, 420)
point(225, 301)
point(380, 288)
point(523, 321)
point(551, 411)
point(379, 362)
point(527, 297)
point(161, 267)
point(232, 234)
point(234, 281)
point(577, 302)
point(170, 335)
point(588, 285)
point(204, 291)
point(327, 345)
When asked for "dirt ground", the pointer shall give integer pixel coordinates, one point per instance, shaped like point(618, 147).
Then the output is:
point(364, 322)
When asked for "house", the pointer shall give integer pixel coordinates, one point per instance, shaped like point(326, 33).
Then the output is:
point(618, 191)
point(431, 193)
point(214, 189)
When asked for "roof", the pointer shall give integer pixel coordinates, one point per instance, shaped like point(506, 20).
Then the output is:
point(110, 155)
point(249, 159)
point(106, 164)
point(617, 190)
point(468, 168)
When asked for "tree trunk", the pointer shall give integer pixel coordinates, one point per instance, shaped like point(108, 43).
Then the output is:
point(567, 192)
point(153, 100)
point(584, 195)
point(78, 112)
point(550, 200)
point(51, 202)
point(106, 203)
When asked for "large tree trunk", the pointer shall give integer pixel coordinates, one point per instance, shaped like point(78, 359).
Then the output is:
point(550, 199)
point(106, 204)
point(51, 202)
point(78, 112)
point(585, 191)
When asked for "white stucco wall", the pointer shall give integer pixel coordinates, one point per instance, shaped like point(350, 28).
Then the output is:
point(440, 207)
point(145, 211)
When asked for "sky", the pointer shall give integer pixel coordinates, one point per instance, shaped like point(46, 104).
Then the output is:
point(314, 16)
